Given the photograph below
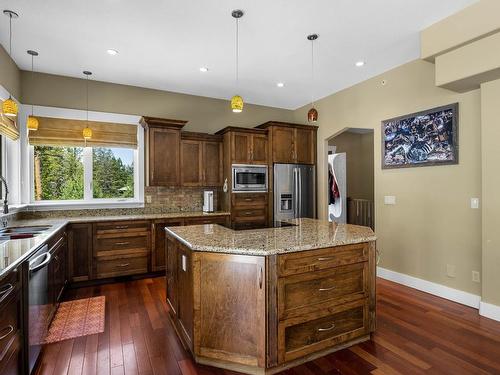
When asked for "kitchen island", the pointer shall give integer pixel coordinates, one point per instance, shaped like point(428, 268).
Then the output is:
point(259, 301)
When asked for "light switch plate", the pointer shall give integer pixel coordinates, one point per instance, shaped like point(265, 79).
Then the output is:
point(474, 203)
point(148, 198)
point(476, 276)
point(390, 199)
point(451, 270)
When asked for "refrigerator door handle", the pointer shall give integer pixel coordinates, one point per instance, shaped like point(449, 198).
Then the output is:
point(300, 191)
point(295, 193)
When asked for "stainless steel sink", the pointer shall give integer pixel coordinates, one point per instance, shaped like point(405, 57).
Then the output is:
point(18, 233)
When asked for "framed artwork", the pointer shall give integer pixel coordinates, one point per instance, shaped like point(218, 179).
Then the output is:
point(421, 139)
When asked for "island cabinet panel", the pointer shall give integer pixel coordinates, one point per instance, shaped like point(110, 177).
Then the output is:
point(229, 308)
point(158, 246)
point(172, 261)
point(301, 336)
point(80, 252)
point(185, 292)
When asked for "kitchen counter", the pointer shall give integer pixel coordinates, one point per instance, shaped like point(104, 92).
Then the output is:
point(14, 252)
point(308, 234)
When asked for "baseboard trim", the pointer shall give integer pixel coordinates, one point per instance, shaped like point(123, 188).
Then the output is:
point(489, 311)
point(439, 290)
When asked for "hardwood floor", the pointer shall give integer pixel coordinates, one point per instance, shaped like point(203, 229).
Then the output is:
point(416, 333)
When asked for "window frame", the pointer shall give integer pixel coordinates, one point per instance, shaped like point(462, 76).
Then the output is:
point(88, 201)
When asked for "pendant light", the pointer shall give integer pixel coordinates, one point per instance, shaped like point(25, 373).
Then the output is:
point(32, 120)
point(312, 115)
point(237, 101)
point(9, 106)
point(87, 132)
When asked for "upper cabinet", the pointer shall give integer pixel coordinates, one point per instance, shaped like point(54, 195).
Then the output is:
point(246, 146)
point(163, 146)
point(291, 143)
point(201, 159)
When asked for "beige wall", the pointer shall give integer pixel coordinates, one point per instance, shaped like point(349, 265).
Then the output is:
point(490, 134)
point(204, 114)
point(10, 77)
point(359, 155)
point(432, 224)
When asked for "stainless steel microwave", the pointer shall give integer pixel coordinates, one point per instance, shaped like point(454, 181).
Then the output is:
point(249, 177)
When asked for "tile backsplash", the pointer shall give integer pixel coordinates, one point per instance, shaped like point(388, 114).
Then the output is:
point(175, 199)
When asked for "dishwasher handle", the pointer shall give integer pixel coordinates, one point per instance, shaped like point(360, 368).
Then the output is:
point(47, 256)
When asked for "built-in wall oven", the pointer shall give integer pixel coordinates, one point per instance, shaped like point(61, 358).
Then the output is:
point(41, 305)
point(249, 178)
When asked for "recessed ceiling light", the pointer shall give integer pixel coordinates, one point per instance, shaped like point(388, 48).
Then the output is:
point(280, 84)
point(204, 69)
point(359, 64)
point(112, 52)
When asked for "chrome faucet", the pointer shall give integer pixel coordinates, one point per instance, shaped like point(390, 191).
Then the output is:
point(5, 201)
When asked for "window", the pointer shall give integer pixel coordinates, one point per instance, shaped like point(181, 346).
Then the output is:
point(87, 174)
point(112, 172)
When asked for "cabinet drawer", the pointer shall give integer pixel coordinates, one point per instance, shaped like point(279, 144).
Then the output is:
point(250, 224)
point(205, 220)
point(121, 266)
point(249, 214)
point(300, 337)
point(126, 243)
point(122, 227)
point(10, 357)
point(301, 262)
point(250, 199)
point(9, 322)
point(303, 293)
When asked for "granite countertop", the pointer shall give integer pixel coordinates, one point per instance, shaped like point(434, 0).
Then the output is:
point(308, 234)
point(14, 252)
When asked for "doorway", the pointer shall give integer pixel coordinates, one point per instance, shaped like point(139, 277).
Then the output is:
point(351, 184)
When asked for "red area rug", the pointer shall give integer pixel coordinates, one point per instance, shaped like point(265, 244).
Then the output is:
point(77, 318)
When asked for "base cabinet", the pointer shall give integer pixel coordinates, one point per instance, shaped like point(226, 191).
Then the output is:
point(80, 252)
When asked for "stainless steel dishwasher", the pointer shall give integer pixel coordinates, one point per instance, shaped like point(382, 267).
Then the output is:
point(40, 303)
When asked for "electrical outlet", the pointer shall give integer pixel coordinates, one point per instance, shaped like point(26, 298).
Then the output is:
point(390, 199)
point(476, 276)
point(451, 270)
point(148, 199)
point(474, 203)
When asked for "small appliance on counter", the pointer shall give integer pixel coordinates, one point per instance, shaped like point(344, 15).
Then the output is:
point(208, 201)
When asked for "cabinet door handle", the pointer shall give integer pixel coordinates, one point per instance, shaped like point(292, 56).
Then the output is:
point(260, 278)
point(325, 258)
point(121, 243)
point(123, 265)
point(326, 289)
point(9, 330)
point(327, 329)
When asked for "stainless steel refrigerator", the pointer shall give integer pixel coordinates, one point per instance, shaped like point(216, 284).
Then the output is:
point(294, 191)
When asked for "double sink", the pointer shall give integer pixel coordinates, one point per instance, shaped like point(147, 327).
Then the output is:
point(18, 233)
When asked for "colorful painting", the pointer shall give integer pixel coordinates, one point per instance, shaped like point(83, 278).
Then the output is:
point(421, 139)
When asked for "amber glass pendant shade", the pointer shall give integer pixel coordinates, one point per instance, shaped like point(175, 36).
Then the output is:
point(9, 108)
point(87, 133)
point(32, 123)
point(312, 115)
point(237, 104)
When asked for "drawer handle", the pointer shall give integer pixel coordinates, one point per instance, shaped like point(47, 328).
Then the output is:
point(9, 330)
point(123, 265)
point(121, 227)
point(121, 243)
point(326, 289)
point(327, 329)
point(248, 213)
point(6, 289)
point(248, 199)
point(325, 258)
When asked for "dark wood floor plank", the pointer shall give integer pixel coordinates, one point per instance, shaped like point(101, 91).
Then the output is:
point(417, 333)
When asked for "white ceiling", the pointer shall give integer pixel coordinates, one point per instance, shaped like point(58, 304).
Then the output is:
point(163, 43)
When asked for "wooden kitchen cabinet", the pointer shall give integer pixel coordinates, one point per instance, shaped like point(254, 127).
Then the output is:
point(172, 261)
point(80, 252)
point(57, 267)
point(249, 210)
point(201, 160)
point(158, 249)
point(163, 151)
point(291, 143)
point(246, 145)
point(185, 293)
